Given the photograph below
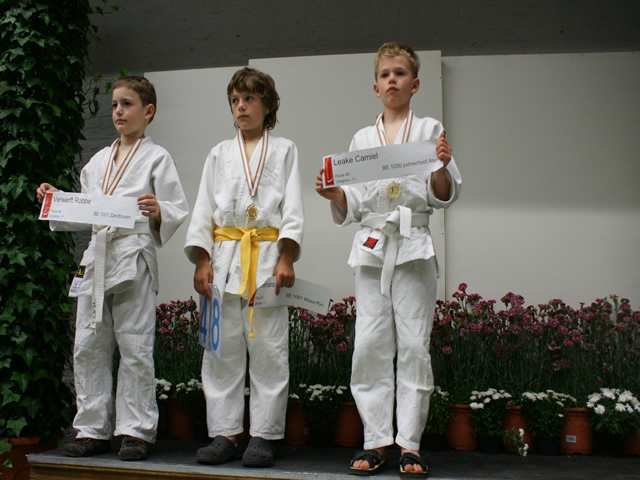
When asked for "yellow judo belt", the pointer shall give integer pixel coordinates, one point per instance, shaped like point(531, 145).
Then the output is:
point(250, 239)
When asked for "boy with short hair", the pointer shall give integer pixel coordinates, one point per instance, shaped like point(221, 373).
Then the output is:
point(248, 222)
point(117, 281)
point(395, 275)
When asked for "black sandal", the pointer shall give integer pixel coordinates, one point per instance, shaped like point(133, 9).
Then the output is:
point(408, 458)
point(374, 458)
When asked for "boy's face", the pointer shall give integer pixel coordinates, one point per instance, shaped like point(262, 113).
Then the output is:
point(248, 110)
point(129, 116)
point(395, 84)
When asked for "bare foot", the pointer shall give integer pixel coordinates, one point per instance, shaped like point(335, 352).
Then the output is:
point(363, 464)
point(415, 468)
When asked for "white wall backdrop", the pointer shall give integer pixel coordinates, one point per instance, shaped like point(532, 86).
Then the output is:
point(549, 151)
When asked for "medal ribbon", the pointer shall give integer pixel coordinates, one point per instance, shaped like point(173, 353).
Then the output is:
point(406, 133)
point(108, 185)
point(254, 181)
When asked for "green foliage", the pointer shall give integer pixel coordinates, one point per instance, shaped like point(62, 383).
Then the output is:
point(438, 420)
point(43, 47)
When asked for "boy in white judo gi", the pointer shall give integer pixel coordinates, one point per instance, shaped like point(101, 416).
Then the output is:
point(117, 281)
point(395, 275)
point(246, 227)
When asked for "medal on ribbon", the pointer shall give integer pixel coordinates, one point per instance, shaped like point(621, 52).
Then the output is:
point(393, 190)
point(251, 212)
point(253, 181)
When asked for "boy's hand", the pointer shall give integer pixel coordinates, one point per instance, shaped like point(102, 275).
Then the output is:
point(149, 206)
point(203, 277)
point(443, 149)
point(285, 276)
point(335, 194)
point(43, 189)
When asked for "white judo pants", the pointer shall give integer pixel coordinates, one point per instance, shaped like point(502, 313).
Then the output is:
point(128, 320)
point(385, 326)
point(223, 377)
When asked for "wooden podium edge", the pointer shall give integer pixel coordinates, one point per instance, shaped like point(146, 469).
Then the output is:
point(56, 471)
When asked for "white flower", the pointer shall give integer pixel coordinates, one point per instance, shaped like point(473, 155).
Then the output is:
point(599, 409)
point(594, 397)
point(608, 393)
point(620, 407)
point(625, 396)
point(162, 396)
point(476, 406)
point(487, 400)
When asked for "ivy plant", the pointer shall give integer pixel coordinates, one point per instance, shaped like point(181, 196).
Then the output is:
point(43, 51)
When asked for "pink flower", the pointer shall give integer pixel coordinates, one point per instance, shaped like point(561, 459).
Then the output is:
point(342, 347)
point(462, 287)
point(447, 350)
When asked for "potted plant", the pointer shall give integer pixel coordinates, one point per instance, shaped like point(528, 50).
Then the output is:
point(435, 431)
point(545, 415)
point(185, 410)
point(320, 351)
point(615, 415)
point(297, 428)
point(488, 410)
point(163, 391)
point(320, 404)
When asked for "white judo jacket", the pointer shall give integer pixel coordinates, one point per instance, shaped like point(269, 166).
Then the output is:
point(372, 199)
point(152, 170)
point(224, 198)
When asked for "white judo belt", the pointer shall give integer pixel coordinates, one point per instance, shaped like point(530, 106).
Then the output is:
point(104, 235)
point(393, 225)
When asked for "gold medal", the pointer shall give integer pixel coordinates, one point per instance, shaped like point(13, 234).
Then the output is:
point(393, 190)
point(252, 212)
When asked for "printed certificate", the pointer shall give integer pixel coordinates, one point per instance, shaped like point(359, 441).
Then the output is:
point(89, 209)
point(389, 161)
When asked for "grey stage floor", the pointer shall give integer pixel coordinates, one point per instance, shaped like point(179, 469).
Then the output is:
point(331, 463)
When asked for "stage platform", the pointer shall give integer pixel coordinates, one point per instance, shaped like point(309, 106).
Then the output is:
point(177, 461)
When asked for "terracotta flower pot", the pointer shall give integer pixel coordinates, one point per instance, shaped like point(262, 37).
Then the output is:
point(179, 420)
point(632, 444)
point(20, 448)
point(349, 429)
point(576, 435)
point(514, 420)
point(460, 433)
point(297, 430)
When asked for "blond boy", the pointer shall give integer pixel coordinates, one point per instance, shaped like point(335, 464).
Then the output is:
point(394, 308)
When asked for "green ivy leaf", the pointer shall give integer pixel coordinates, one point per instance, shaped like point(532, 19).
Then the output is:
point(14, 427)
